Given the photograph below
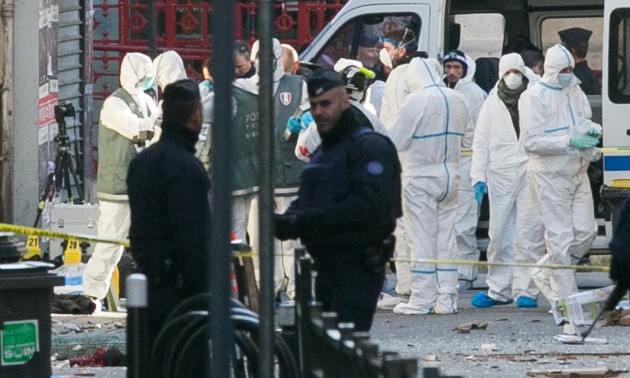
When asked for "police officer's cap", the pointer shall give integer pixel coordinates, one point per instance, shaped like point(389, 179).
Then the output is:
point(575, 35)
point(322, 81)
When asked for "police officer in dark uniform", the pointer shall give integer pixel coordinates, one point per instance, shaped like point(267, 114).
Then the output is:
point(170, 213)
point(576, 41)
point(347, 205)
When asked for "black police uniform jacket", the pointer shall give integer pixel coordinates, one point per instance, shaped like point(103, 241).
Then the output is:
point(349, 196)
point(170, 213)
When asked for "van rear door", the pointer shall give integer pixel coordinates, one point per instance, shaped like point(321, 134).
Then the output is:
point(616, 90)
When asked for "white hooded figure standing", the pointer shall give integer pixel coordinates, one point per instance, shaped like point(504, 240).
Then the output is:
point(467, 208)
point(397, 87)
point(427, 131)
point(559, 139)
point(500, 163)
point(124, 115)
point(168, 68)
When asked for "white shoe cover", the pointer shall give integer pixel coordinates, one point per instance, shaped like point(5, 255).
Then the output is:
point(388, 302)
point(407, 309)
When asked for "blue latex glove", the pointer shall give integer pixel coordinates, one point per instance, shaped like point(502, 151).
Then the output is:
point(294, 125)
point(306, 120)
point(583, 142)
point(297, 125)
point(480, 189)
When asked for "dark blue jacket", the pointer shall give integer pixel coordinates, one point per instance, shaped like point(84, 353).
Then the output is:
point(349, 195)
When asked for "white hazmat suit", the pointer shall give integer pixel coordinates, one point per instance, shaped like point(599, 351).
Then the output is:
point(550, 115)
point(114, 219)
point(397, 87)
point(467, 208)
point(516, 230)
point(427, 131)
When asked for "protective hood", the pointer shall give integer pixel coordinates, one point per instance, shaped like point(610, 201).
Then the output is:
point(134, 68)
point(278, 72)
point(422, 73)
point(169, 68)
point(512, 61)
point(556, 59)
point(470, 73)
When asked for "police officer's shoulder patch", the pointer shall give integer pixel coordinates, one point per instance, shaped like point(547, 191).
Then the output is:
point(375, 168)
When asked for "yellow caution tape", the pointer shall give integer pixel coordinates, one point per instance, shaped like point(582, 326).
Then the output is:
point(60, 235)
point(125, 243)
point(599, 268)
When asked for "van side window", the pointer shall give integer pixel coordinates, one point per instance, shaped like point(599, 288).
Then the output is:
point(361, 38)
point(551, 26)
point(482, 34)
point(618, 69)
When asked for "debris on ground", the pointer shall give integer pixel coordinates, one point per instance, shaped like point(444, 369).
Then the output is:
point(576, 373)
point(617, 318)
point(102, 357)
point(467, 327)
point(577, 339)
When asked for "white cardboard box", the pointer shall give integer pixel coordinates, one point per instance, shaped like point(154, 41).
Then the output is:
point(72, 219)
point(581, 308)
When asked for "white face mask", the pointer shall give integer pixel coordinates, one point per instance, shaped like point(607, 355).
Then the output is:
point(385, 58)
point(513, 80)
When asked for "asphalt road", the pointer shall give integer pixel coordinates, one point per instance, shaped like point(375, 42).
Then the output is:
point(516, 341)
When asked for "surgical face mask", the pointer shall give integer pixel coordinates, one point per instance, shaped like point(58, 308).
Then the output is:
point(564, 79)
point(513, 80)
point(385, 58)
point(147, 83)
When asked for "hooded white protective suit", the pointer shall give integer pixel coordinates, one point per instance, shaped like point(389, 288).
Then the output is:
point(427, 131)
point(169, 68)
point(114, 218)
point(556, 172)
point(467, 207)
point(397, 87)
point(516, 230)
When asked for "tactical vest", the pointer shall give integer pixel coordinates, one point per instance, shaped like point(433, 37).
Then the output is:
point(115, 152)
point(288, 167)
point(245, 136)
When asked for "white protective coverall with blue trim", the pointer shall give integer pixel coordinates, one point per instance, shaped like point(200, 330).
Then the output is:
point(516, 230)
point(114, 219)
point(556, 172)
point(427, 131)
point(467, 207)
point(397, 87)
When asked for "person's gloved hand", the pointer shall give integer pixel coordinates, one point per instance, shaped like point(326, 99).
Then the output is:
point(594, 132)
point(297, 125)
point(480, 189)
point(583, 142)
point(294, 125)
point(286, 226)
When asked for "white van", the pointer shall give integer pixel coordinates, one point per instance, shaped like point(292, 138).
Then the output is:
point(485, 29)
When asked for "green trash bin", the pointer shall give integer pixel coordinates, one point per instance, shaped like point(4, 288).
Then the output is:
point(26, 292)
point(614, 197)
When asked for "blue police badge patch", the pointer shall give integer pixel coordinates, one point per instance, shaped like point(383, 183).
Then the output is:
point(375, 168)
